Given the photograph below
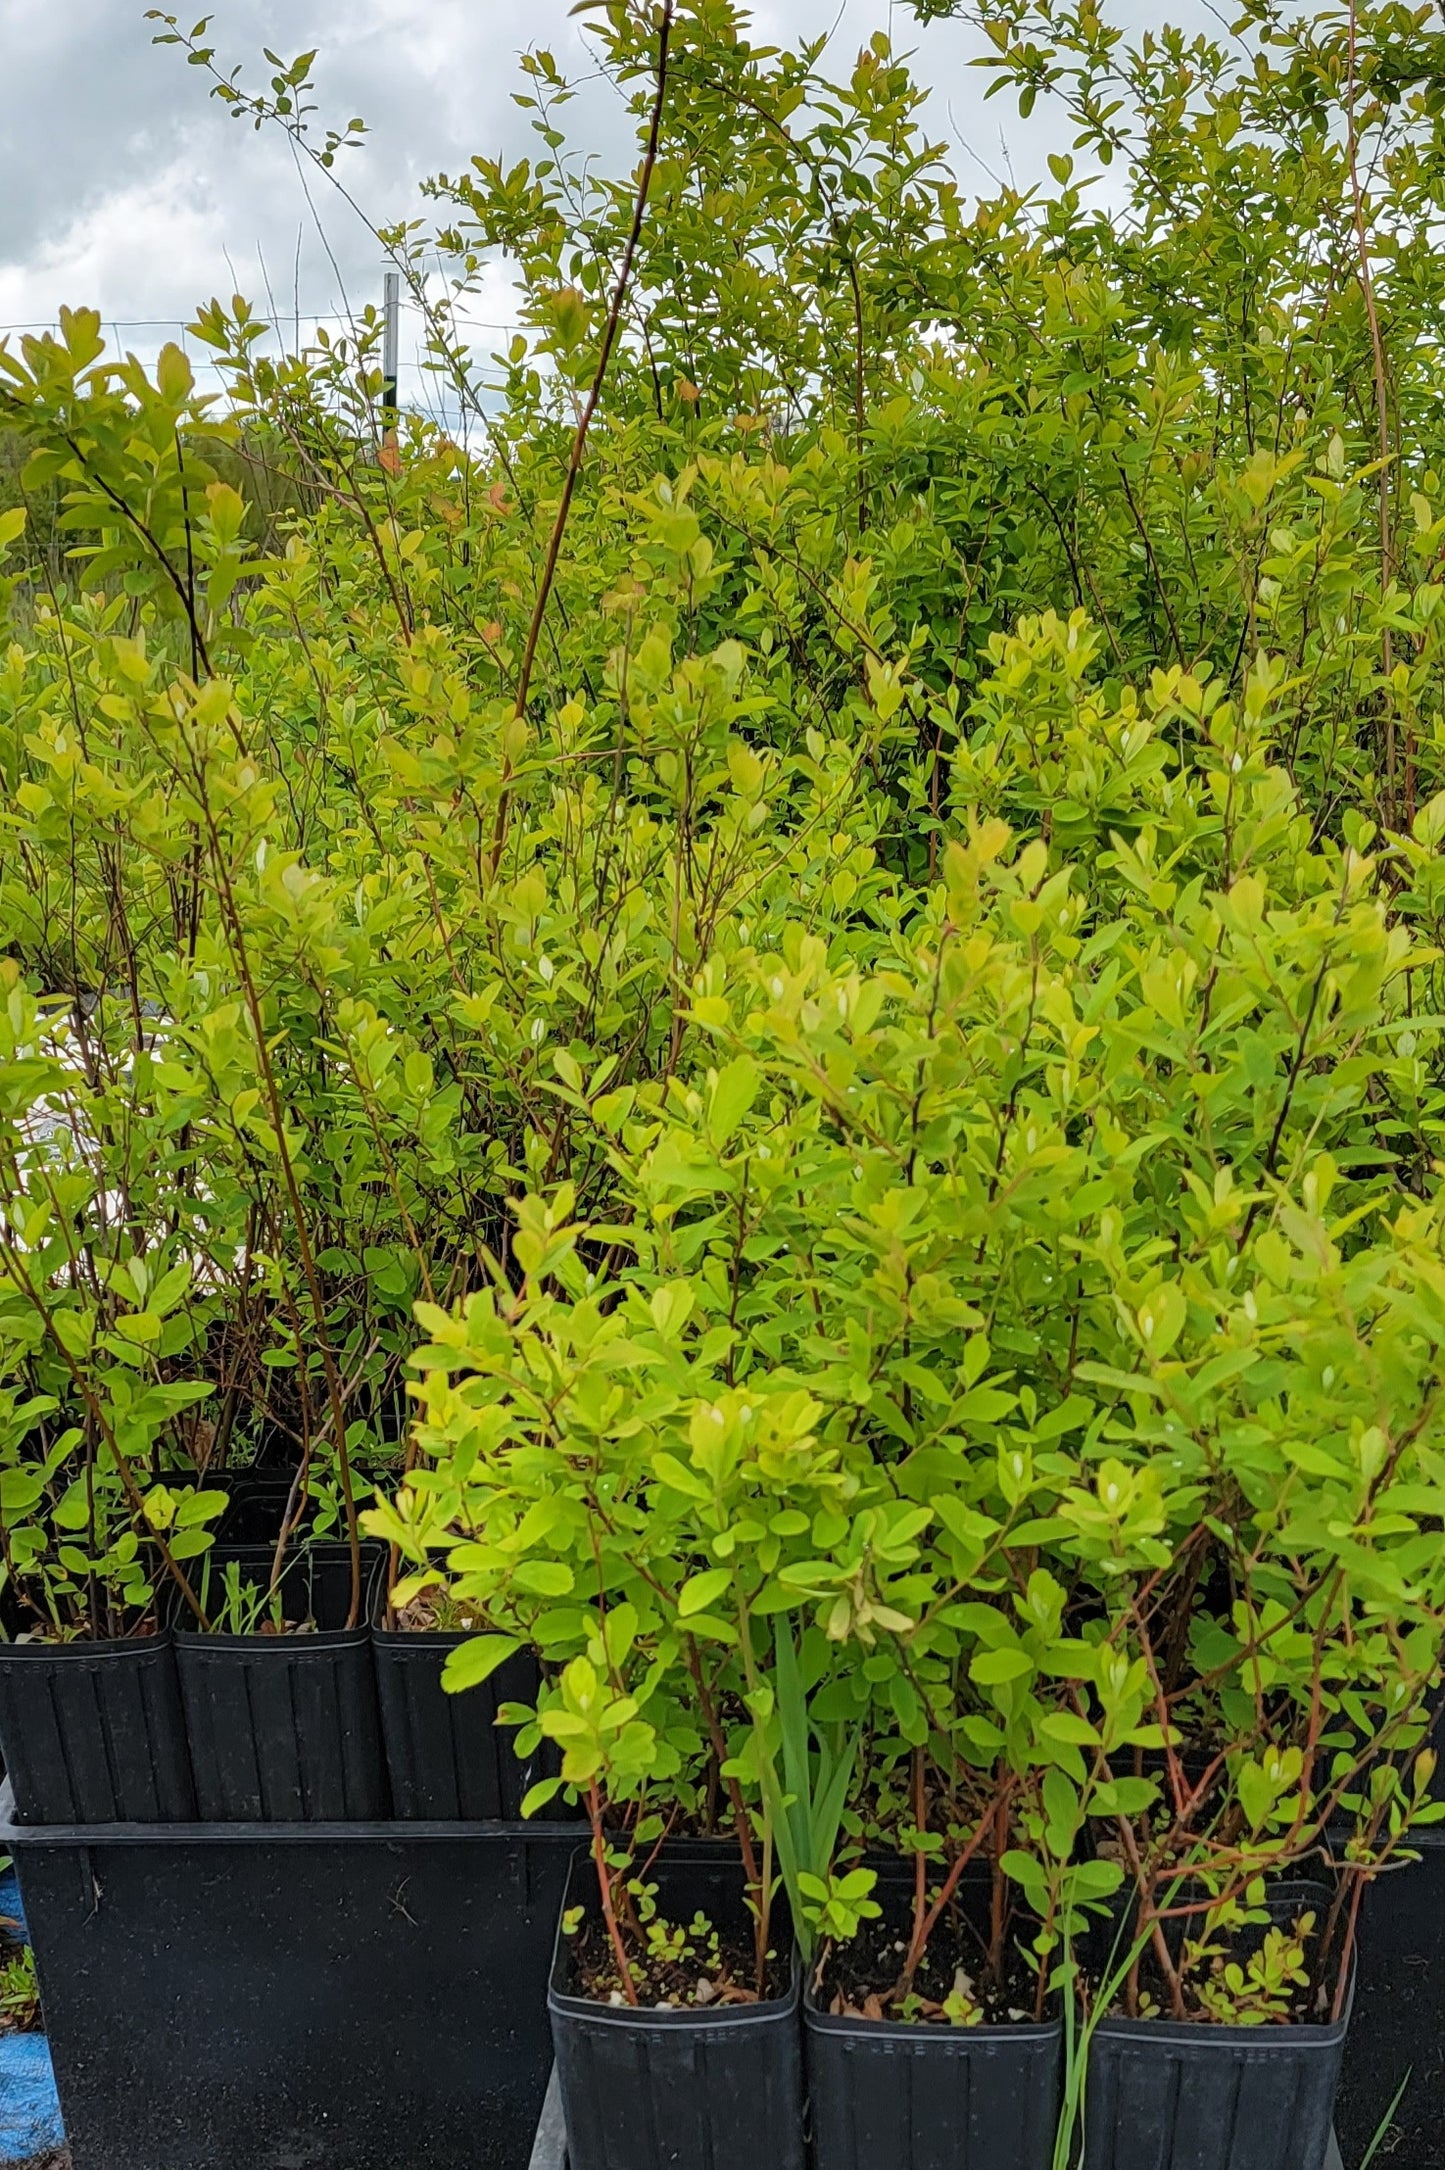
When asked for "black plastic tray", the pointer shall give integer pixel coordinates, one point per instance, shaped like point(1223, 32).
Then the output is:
point(549, 2148)
point(293, 1996)
point(1397, 2026)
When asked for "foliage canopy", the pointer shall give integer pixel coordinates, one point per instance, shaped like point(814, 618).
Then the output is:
point(844, 903)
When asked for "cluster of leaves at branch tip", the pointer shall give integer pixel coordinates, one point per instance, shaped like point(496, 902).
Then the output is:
point(836, 897)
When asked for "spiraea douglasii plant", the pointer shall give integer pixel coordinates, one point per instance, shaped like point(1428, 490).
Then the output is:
point(841, 907)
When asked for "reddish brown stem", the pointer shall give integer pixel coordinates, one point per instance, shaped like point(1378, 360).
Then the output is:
point(1150, 1919)
point(1382, 412)
point(920, 1863)
point(1347, 1951)
point(604, 1885)
point(924, 1928)
point(998, 1897)
point(741, 1820)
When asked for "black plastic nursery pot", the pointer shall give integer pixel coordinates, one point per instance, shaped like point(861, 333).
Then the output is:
point(256, 1505)
point(1166, 2095)
point(92, 1732)
point(891, 2095)
point(697, 2089)
point(446, 1754)
point(549, 2147)
point(259, 1500)
point(285, 1728)
point(294, 1997)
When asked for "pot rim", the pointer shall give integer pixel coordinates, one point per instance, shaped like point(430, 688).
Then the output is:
point(996, 2033)
point(1271, 2035)
point(566, 2004)
point(317, 1643)
point(896, 1872)
point(1270, 2039)
point(95, 1648)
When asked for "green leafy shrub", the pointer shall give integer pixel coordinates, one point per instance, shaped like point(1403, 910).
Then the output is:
point(846, 907)
point(983, 1308)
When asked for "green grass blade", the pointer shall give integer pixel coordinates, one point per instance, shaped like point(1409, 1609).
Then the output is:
point(832, 1800)
point(792, 1706)
point(1382, 2129)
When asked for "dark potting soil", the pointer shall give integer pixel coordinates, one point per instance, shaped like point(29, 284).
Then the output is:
point(714, 1969)
point(858, 1980)
point(1219, 1988)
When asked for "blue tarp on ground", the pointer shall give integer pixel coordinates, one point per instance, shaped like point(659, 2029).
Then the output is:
point(12, 1913)
point(29, 2110)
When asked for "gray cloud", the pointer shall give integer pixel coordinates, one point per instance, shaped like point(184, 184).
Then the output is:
point(122, 185)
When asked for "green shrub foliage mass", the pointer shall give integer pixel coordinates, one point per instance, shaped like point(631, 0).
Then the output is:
point(821, 927)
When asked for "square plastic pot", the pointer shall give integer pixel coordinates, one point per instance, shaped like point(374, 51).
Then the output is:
point(294, 1996)
point(92, 1732)
point(678, 2090)
point(446, 1754)
point(256, 1506)
point(887, 2095)
point(285, 1728)
point(1162, 2095)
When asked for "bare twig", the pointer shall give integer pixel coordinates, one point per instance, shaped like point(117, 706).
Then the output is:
point(584, 424)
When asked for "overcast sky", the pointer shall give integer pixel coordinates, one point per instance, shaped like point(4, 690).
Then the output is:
point(123, 186)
